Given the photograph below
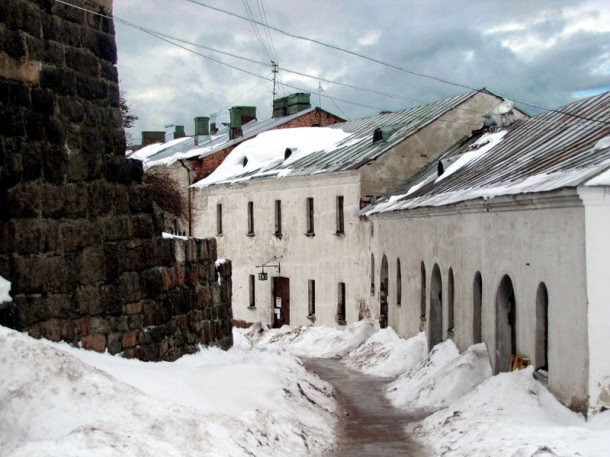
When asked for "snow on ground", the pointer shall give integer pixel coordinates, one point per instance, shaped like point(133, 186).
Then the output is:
point(473, 413)
point(318, 341)
point(386, 354)
point(5, 288)
point(257, 399)
point(63, 401)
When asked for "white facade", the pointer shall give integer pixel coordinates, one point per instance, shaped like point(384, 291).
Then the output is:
point(324, 256)
point(535, 240)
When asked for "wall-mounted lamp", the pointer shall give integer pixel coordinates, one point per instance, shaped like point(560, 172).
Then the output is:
point(263, 276)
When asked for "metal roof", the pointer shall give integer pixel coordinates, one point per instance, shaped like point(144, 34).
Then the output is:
point(543, 153)
point(359, 148)
point(180, 150)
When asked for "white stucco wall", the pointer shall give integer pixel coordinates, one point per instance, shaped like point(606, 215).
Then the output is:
point(597, 217)
point(532, 239)
point(326, 257)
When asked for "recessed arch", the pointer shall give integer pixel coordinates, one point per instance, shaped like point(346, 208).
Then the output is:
point(506, 330)
point(435, 329)
point(398, 283)
point(450, 303)
point(372, 274)
point(422, 303)
point(477, 305)
point(383, 293)
point(542, 327)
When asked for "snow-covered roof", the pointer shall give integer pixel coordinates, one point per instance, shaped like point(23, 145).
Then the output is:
point(170, 152)
point(544, 153)
point(325, 152)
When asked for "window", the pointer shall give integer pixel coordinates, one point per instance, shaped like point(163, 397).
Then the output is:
point(311, 289)
point(278, 218)
point(477, 300)
point(422, 304)
point(450, 304)
point(250, 218)
point(310, 227)
point(398, 283)
point(340, 216)
point(252, 283)
point(542, 327)
point(219, 219)
point(341, 304)
point(372, 274)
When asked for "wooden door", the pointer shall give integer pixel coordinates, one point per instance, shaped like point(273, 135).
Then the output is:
point(281, 301)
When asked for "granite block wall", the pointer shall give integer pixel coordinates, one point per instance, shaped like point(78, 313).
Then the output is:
point(80, 239)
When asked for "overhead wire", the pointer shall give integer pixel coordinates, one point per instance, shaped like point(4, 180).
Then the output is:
point(386, 64)
point(171, 40)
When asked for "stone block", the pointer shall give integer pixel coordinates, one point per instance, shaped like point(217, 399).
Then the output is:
point(71, 109)
point(55, 164)
point(52, 199)
point(61, 81)
point(31, 161)
point(90, 87)
point(83, 326)
point(129, 285)
point(114, 343)
point(133, 308)
point(43, 101)
point(13, 44)
point(59, 305)
point(100, 325)
point(142, 226)
point(113, 301)
point(89, 300)
point(95, 343)
point(75, 202)
point(91, 263)
point(130, 339)
point(135, 321)
point(83, 61)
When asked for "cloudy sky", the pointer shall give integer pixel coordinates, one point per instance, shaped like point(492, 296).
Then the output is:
point(543, 52)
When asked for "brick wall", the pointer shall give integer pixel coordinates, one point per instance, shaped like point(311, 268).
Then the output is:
point(79, 238)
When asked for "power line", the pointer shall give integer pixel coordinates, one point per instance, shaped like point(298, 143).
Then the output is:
point(389, 65)
point(170, 40)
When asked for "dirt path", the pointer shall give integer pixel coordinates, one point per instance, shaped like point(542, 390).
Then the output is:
point(368, 425)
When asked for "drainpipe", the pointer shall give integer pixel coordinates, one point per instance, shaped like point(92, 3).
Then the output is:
point(188, 188)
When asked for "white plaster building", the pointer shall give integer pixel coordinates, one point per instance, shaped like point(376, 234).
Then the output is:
point(509, 246)
point(286, 203)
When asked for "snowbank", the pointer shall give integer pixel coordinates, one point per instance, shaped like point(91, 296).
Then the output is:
point(386, 354)
point(62, 401)
point(322, 342)
point(442, 378)
point(512, 414)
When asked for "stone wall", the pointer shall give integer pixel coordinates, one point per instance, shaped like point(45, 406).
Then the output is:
point(79, 238)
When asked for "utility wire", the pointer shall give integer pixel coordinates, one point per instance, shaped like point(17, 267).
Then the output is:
point(168, 39)
point(389, 65)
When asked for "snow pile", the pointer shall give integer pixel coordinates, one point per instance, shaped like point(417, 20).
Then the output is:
point(62, 401)
point(386, 354)
point(258, 156)
point(512, 414)
point(150, 150)
point(321, 342)
point(442, 378)
point(5, 288)
point(478, 149)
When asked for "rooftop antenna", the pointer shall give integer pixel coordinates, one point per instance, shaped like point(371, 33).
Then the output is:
point(275, 71)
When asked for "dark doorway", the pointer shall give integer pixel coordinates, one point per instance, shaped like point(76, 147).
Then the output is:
point(477, 305)
point(383, 293)
point(542, 327)
point(281, 301)
point(506, 340)
point(436, 308)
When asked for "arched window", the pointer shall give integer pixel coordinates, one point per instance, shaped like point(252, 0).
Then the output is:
point(450, 305)
point(542, 327)
point(422, 304)
point(435, 333)
point(506, 328)
point(477, 299)
point(372, 274)
point(383, 293)
point(398, 283)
